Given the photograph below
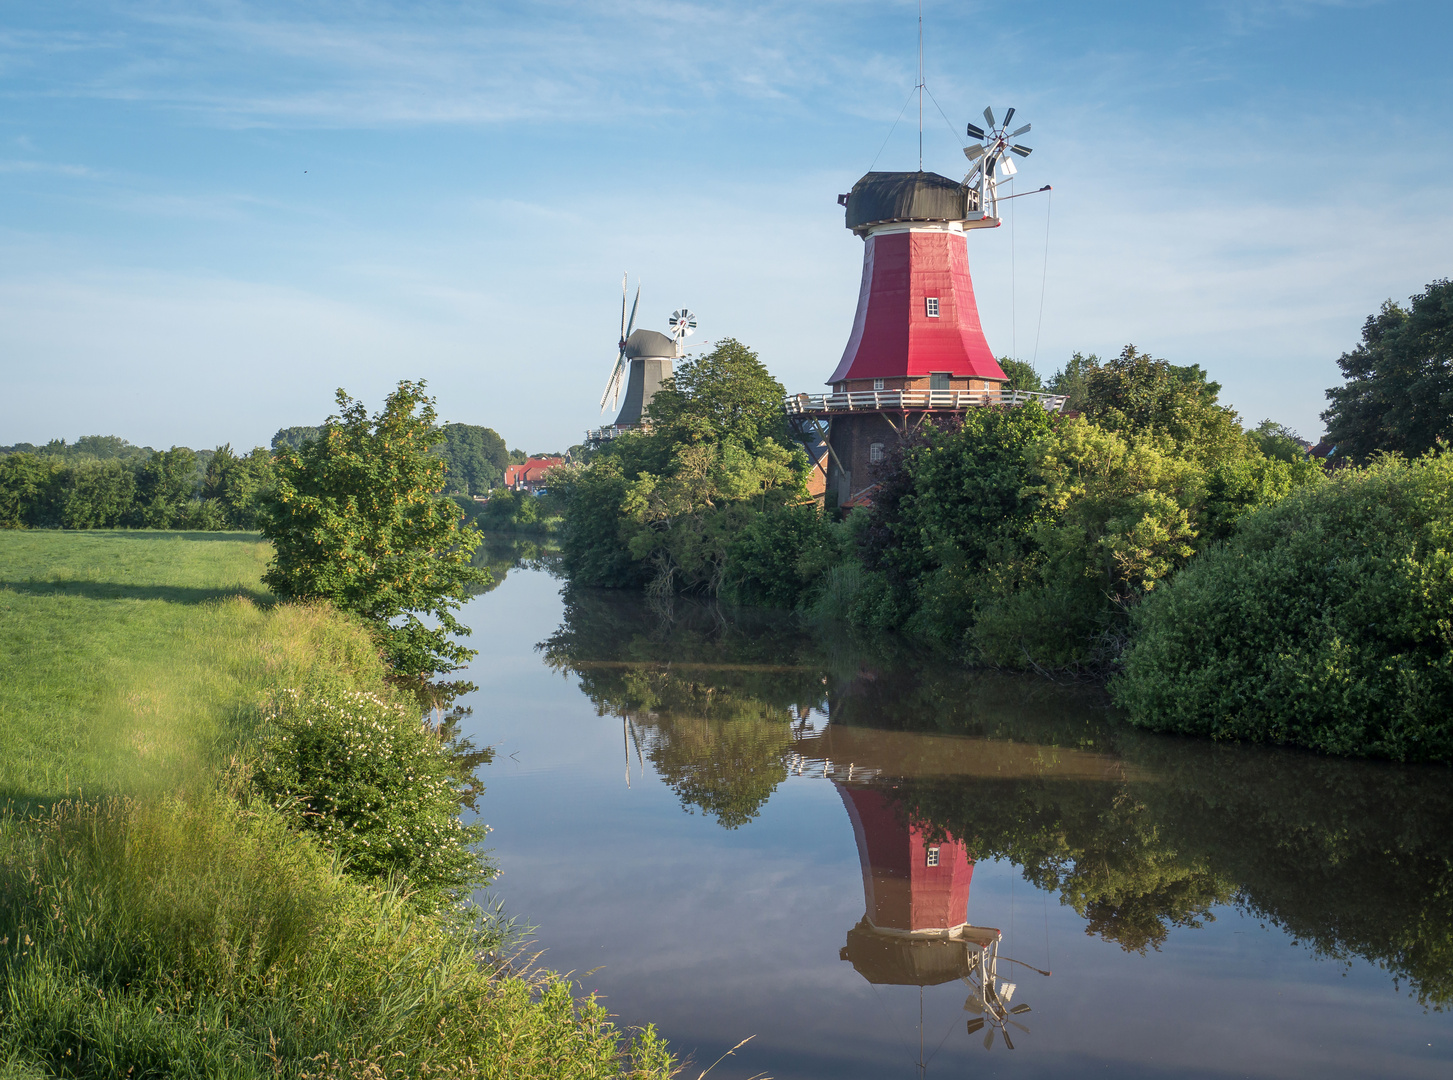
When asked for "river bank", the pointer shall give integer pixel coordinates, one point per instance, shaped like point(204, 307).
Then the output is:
point(158, 916)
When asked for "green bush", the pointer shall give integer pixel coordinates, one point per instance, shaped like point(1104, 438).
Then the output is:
point(1326, 621)
point(779, 558)
point(377, 786)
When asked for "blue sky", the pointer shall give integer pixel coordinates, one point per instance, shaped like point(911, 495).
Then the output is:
point(214, 214)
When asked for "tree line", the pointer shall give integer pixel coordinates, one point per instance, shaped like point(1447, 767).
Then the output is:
point(1223, 580)
point(106, 482)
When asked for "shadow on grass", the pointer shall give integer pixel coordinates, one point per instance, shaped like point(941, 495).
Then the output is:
point(115, 590)
point(168, 534)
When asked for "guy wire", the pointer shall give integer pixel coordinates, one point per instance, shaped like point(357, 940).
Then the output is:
point(1043, 278)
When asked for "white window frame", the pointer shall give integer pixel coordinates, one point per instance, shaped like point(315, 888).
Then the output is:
point(930, 306)
point(877, 384)
point(930, 857)
point(875, 452)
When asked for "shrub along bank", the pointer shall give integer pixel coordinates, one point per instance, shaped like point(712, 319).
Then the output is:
point(231, 850)
point(1326, 620)
point(1308, 612)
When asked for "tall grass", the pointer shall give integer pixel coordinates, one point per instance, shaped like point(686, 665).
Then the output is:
point(158, 916)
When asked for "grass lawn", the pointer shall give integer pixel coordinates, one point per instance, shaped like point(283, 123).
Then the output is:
point(130, 662)
point(158, 918)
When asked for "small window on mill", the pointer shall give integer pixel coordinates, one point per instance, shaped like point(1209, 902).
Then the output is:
point(877, 384)
point(875, 452)
point(930, 306)
point(933, 855)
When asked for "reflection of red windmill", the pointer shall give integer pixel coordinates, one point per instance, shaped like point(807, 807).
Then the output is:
point(915, 929)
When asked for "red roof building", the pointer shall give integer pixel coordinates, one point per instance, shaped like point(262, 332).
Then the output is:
point(530, 475)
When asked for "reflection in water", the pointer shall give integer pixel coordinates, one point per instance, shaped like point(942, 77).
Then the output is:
point(914, 931)
point(1137, 833)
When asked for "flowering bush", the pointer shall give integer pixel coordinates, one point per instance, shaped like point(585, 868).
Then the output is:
point(378, 786)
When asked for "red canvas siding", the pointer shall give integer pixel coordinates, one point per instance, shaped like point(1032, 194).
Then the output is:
point(893, 336)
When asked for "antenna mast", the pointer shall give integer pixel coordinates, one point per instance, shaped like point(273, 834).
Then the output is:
point(920, 85)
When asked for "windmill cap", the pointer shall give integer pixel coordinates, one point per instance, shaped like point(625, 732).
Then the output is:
point(905, 196)
point(650, 343)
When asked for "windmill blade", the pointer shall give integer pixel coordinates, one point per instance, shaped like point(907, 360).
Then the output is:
point(623, 309)
point(975, 1025)
point(989, 116)
point(1007, 166)
point(1022, 151)
point(1006, 991)
point(613, 387)
point(1009, 116)
point(974, 152)
point(975, 131)
point(1021, 1027)
point(1007, 1040)
point(1020, 1009)
point(1017, 131)
point(989, 1039)
point(630, 326)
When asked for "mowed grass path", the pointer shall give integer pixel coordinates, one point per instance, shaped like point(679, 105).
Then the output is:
point(133, 662)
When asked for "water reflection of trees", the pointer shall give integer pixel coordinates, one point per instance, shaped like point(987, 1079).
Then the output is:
point(501, 553)
point(1136, 832)
point(712, 700)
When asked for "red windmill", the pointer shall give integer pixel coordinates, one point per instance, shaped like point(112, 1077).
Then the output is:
point(916, 347)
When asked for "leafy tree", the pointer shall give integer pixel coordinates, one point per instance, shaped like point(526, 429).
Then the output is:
point(165, 487)
point(1071, 380)
point(237, 485)
point(98, 494)
point(295, 437)
point(1022, 376)
point(476, 458)
point(24, 480)
point(1278, 441)
point(1135, 393)
point(1399, 390)
point(725, 395)
point(356, 518)
point(665, 504)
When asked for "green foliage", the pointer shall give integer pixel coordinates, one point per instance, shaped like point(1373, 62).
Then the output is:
point(384, 791)
point(86, 448)
point(293, 438)
point(779, 558)
point(1024, 537)
point(238, 485)
point(1073, 382)
point(476, 458)
point(1136, 394)
point(24, 481)
point(665, 505)
point(1399, 391)
point(1022, 376)
point(510, 511)
point(1323, 621)
point(356, 519)
point(112, 484)
point(1278, 441)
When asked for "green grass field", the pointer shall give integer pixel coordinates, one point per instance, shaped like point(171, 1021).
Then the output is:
point(130, 662)
point(157, 919)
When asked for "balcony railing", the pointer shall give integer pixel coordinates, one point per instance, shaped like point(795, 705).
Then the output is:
point(918, 400)
point(606, 433)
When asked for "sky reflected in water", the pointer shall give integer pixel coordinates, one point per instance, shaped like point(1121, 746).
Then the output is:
point(729, 828)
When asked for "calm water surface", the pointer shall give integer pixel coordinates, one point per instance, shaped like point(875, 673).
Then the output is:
point(731, 828)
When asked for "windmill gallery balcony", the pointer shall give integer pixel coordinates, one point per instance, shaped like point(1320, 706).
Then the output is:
point(905, 401)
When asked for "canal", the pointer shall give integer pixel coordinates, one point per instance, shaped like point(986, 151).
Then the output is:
point(733, 827)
